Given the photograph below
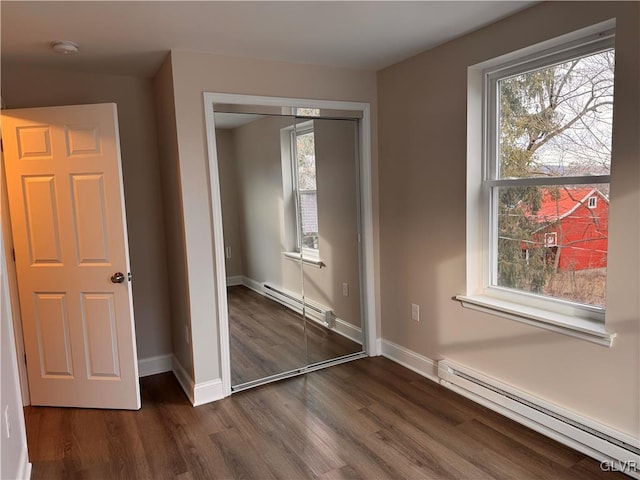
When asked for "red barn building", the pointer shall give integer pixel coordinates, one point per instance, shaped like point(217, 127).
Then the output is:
point(575, 223)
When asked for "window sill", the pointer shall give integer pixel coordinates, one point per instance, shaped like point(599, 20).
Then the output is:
point(314, 262)
point(589, 330)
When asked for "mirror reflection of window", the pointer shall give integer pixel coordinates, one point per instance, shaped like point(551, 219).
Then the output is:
point(304, 170)
point(308, 112)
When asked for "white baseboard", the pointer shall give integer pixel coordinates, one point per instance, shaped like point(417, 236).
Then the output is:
point(153, 365)
point(207, 392)
point(252, 284)
point(348, 330)
point(235, 280)
point(376, 348)
point(197, 393)
point(410, 359)
point(342, 327)
point(24, 466)
point(183, 377)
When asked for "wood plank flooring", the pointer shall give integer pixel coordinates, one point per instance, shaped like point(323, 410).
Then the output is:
point(366, 419)
point(267, 338)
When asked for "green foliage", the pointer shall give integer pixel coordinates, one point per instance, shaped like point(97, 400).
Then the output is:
point(527, 116)
point(306, 152)
point(521, 258)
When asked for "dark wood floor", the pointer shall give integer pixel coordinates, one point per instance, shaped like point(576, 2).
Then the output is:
point(267, 338)
point(367, 419)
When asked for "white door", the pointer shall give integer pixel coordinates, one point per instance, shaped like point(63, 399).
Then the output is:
point(64, 180)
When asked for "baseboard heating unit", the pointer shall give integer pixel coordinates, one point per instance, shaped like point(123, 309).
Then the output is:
point(313, 310)
point(617, 451)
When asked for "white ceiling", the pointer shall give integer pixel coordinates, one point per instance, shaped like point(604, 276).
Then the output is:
point(133, 37)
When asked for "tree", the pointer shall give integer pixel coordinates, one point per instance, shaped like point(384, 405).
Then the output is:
point(554, 121)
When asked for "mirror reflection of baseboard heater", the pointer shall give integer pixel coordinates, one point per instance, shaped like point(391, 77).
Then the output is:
point(313, 310)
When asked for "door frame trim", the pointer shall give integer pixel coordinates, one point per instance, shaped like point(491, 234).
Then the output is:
point(12, 282)
point(370, 343)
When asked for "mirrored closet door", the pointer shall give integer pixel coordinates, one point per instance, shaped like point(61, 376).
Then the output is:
point(289, 193)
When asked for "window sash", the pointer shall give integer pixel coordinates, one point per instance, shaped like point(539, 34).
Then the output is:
point(548, 181)
point(299, 130)
point(491, 180)
point(591, 45)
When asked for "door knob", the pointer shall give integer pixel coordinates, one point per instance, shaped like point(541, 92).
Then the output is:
point(117, 277)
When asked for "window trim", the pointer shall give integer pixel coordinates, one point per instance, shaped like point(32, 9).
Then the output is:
point(582, 328)
point(309, 258)
point(562, 316)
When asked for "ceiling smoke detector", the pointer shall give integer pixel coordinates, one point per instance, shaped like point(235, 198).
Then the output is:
point(64, 47)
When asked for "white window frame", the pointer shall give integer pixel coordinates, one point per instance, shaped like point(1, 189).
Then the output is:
point(592, 202)
point(577, 320)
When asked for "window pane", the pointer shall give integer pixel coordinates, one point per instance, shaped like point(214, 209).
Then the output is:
point(552, 241)
point(556, 121)
point(306, 153)
point(309, 213)
point(308, 112)
point(308, 201)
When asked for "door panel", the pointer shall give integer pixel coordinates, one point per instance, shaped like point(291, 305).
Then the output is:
point(66, 201)
point(39, 196)
point(52, 326)
point(82, 140)
point(34, 142)
point(267, 337)
point(99, 325)
point(335, 286)
point(89, 219)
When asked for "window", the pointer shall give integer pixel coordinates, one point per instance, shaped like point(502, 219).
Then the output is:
point(551, 239)
point(540, 251)
point(300, 194)
point(304, 184)
point(550, 123)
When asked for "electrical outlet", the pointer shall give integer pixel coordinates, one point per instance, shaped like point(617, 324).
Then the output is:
point(227, 252)
point(415, 312)
point(7, 422)
point(345, 289)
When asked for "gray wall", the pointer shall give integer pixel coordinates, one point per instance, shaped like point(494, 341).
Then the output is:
point(26, 86)
point(259, 186)
point(337, 217)
point(423, 141)
point(230, 199)
point(172, 202)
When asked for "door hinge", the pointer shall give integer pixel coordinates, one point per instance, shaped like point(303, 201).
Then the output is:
point(25, 358)
point(13, 254)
